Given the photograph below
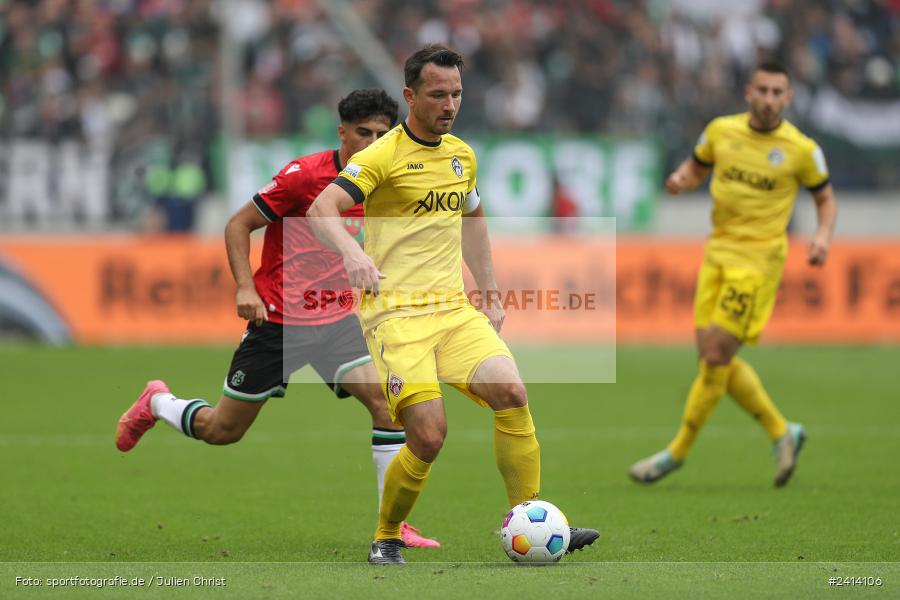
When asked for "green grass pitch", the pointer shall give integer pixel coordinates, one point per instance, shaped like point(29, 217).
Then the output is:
point(289, 511)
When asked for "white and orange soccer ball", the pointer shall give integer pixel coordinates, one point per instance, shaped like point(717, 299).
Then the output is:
point(535, 532)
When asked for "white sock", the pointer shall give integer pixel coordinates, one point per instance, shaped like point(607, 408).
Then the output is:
point(385, 446)
point(178, 413)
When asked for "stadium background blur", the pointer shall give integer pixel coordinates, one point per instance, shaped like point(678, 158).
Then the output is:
point(131, 129)
point(141, 117)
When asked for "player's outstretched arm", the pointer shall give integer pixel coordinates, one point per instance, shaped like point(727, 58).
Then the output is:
point(476, 250)
point(826, 209)
point(325, 218)
point(237, 244)
point(687, 176)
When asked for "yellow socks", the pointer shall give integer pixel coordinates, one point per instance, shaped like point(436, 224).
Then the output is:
point(403, 482)
point(746, 388)
point(518, 458)
point(743, 384)
point(705, 393)
point(518, 453)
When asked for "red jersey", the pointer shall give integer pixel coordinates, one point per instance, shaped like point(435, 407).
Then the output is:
point(301, 281)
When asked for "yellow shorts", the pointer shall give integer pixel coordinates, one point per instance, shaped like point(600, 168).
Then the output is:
point(740, 300)
point(413, 354)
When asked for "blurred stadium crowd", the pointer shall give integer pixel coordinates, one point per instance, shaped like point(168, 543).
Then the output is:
point(128, 72)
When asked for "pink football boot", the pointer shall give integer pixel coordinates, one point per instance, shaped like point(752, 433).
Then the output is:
point(412, 538)
point(138, 419)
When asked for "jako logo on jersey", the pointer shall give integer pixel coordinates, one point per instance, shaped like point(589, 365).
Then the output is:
point(444, 201)
point(294, 167)
point(776, 157)
point(395, 385)
point(456, 166)
point(415, 166)
point(754, 180)
point(353, 170)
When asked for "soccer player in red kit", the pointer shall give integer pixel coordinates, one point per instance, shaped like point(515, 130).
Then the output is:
point(298, 306)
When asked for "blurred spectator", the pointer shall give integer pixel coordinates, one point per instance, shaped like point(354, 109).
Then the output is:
point(176, 192)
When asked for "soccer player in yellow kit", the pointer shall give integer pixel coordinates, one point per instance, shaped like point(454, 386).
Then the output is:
point(423, 217)
point(758, 161)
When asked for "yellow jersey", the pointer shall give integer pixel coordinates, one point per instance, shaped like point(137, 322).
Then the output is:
point(414, 193)
point(755, 178)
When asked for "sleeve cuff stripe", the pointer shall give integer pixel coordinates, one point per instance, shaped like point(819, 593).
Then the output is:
point(820, 186)
point(701, 161)
point(264, 208)
point(351, 188)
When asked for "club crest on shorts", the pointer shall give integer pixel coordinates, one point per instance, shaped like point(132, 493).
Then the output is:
point(456, 166)
point(238, 378)
point(395, 385)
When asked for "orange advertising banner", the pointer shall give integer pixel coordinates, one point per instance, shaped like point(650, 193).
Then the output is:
point(854, 298)
point(132, 289)
point(555, 289)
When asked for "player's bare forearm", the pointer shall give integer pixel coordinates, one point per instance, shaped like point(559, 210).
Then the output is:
point(237, 242)
point(826, 209)
point(476, 250)
point(826, 212)
point(237, 245)
point(687, 176)
point(325, 219)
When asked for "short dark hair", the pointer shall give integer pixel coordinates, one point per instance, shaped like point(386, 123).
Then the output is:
point(437, 54)
point(771, 66)
point(360, 105)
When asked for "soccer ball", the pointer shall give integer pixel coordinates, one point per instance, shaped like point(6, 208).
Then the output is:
point(535, 532)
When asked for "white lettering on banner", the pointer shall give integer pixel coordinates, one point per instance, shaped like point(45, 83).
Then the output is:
point(54, 184)
point(519, 183)
point(632, 172)
point(604, 177)
point(28, 191)
point(244, 176)
point(581, 167)
point(82, 194)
